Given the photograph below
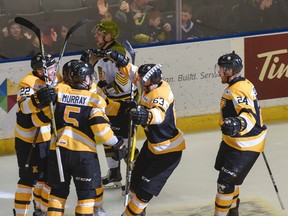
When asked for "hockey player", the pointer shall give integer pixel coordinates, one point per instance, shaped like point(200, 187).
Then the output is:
point(114, 80)
point(112, 108)
point(162, 150)
point(243, 134)
point(32, 172)
point(80, 122)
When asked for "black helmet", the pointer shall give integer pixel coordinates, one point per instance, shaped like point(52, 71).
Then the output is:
point(37, 63)
point(150, 72)
point(67, 67)
point(78, 74)
point(231, 60)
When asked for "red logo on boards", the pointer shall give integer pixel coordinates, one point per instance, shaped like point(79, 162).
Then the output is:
point(266, 65)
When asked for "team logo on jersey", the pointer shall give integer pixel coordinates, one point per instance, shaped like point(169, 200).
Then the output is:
point(8, 95)
point(62, 141)
point(145, 179)
point(35, 169)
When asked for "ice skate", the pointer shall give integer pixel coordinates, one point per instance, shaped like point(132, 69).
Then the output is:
point(234, 211)
point(113, 179)
point(38, 212)
point(99, 212)
point(143, 213)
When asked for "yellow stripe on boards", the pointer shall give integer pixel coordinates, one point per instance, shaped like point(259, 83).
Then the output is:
point(187, 125)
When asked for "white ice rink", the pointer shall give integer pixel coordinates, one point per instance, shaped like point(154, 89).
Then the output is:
point(191, 189)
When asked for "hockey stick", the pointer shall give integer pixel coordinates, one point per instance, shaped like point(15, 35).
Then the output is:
point(131, 149)
point(69, 33)
point(132, 130)
point(130, 50)
point(33, 146)
point(36, 30)
point(273, 181)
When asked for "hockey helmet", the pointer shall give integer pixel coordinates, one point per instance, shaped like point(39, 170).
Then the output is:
point(81, 75)
point(231, 61)
point(37, 61)
point(108, 27)
point(67, 67)
point(150, 72)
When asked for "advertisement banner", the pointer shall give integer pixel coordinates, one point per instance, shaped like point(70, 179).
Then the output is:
point(266, 65)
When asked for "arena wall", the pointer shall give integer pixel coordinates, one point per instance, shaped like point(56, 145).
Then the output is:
point(189, 68)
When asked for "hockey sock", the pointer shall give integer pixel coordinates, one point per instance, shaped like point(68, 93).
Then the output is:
point(112, 163)
point(56, 206)
point(223, 203)
point(37, 195)
point(134, 207)
point(85, 207)
point(45, 197)
point(22, 200)
point(235, 197)
point(99, 197)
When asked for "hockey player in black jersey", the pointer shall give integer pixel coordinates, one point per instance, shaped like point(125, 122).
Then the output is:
point(32, 169)
point(162, 149)
point(243, 134)
point(81, 122)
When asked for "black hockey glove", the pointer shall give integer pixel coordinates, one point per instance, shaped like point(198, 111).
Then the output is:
point(91, 56)
point(119, 59)
point(233, 125)
point(43, 97)
point(102, 83)
point(140, 115)
point(126, 106)
point(85, 56)
point(120, 149)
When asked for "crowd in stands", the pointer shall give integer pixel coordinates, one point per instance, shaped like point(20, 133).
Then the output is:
point(140, 21)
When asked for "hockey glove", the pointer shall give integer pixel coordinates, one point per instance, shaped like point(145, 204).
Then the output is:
point(140, 115)
point(91, 56)
point(102, 83)
point(233, 125)
point(85, 56)
point(126, 106)
point(120, 149)
point(119, 59)
point(43, 97)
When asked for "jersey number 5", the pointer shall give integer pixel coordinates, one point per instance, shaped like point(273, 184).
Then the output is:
point(68, 110)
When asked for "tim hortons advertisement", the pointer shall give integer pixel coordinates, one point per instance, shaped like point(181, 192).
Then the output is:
point(266, 65)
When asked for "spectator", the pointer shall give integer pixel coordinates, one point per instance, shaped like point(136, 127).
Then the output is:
point(153, 29)
point(50, 37)
point(14, 43)
point(208, 17)
point(130, 16)
point(189, 28)
point(103, 10)
point(254, 15)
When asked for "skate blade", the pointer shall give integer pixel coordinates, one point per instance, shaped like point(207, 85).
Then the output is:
point(114, 185)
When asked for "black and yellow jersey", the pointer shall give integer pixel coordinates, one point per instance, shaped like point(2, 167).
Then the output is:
point(162, 134)
point(240, 99)
point(112, 107)
point(26, 115)
point(80, 120)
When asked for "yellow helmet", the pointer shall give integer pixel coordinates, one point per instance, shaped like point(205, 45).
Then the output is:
point(108, 27)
